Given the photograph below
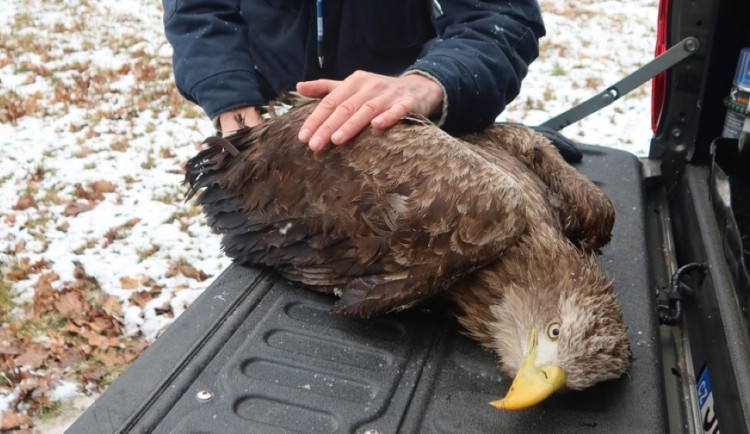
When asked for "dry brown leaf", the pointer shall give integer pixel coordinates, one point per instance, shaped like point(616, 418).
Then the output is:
point(33, 356)
point(102, 324)
point(43, 295)
point(14, 420)
point(141, 298)
point(111, 305)
point(20, 246)
point(17, 275)
point(129, 282)
point(94, 375)
point(112, 357)
point(76, 208)
point(70, 304)
point(101, 187)
point(24, 202)
point(20, 271)
point(69, 357)
point(84, 151)
point(193, 273)
point(167, 153)
point(95, 340)
point(10, 348)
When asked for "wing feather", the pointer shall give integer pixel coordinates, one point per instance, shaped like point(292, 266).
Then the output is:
point(586, 212)
point(392, 218)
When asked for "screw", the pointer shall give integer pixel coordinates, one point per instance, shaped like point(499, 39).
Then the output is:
point(691, 45)
point(676, 132)
point(204, 395)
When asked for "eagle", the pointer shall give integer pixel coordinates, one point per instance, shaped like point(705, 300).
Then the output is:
point(494, 221)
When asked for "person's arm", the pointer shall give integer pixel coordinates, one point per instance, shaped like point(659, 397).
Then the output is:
point(465, 78)
point(482, 53)
point(212, 64)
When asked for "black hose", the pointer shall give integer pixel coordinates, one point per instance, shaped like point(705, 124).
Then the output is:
point(672, 315)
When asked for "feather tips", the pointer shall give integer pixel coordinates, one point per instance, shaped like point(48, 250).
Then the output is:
point(411, 202)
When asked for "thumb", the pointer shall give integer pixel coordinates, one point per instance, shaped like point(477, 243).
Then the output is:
point(316, 88)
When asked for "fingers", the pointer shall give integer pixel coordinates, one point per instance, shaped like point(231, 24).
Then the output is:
point(345, 121)
point(363, 99)
point(343, 112)
point(390, 117)
point(316, 88)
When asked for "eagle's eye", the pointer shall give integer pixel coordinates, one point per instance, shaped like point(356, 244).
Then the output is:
point(553, 330)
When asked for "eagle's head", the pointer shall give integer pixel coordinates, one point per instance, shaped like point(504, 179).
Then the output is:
point(561, 332)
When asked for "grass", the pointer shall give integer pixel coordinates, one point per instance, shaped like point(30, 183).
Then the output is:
point(7, 297)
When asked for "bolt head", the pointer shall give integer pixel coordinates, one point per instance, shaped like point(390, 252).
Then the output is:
point(204, 395)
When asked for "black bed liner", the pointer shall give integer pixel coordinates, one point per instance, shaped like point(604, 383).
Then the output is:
point(268, 357)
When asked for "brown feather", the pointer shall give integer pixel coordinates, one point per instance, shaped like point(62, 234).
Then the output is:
point(495, 221)
point(402, 213)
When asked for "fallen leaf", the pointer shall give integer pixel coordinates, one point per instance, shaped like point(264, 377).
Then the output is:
point(101, 187)
point(43, 295)
point(94, 375)
point(111, 305)
point(141, 298)
point(14, 420)
point(69, 357)
point(193, 273)
point(11, 349)
point(20, 246)
point(111, 357)
point(129, 282)
point(70, 304)
point(96, 340)
point(33, 356)
point(24, 202)
point(76, 208)
point(16, 275)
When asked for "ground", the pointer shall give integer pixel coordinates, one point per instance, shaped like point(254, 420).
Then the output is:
point(99, 252)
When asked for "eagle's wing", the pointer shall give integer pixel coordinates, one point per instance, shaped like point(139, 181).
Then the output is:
point(586, 213)
point(389, 220)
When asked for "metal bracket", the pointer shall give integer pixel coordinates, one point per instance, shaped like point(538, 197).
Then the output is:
point(672, 315)
point(664, 61)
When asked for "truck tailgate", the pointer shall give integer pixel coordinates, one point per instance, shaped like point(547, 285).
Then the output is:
point(255, 354)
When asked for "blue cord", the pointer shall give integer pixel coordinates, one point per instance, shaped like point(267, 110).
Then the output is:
point(319, 4)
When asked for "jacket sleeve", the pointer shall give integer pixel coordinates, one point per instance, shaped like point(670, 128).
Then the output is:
point(481, 54)
point(212, 64)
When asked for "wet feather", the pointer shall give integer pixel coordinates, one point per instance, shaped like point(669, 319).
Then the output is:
point(495, 221)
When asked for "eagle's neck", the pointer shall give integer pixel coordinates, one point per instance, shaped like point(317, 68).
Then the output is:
point(531, 270)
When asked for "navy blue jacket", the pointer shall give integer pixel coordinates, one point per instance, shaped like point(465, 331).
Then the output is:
point(235, 53)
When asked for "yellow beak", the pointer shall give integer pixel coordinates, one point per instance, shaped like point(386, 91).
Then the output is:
point(532, 385)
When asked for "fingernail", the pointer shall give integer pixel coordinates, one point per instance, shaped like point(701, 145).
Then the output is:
point(316, 143)
point(337, 137)
point(304, 135)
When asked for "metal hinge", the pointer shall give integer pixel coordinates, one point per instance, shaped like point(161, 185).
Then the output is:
point(664, 61)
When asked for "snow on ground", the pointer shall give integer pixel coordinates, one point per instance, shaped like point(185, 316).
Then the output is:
point(589, 46)
point(93, 137)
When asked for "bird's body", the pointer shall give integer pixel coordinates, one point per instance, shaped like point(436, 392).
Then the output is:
point(496, 221)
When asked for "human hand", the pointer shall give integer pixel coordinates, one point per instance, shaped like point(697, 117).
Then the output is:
point(236, 119)
point(364, 98)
